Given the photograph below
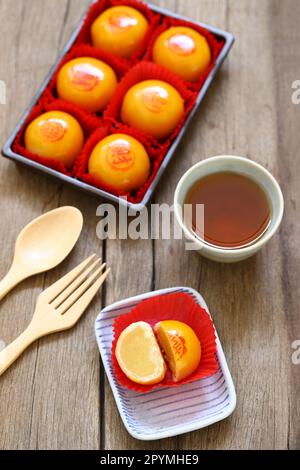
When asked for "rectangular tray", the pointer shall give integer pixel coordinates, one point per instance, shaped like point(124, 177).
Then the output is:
point(9, 153)
point(166, 412)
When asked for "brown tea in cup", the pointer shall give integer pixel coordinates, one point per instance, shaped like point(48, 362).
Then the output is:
point(237, 211)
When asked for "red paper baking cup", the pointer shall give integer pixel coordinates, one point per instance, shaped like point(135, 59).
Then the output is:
point(88, 122)
point(81, 165)
point(119, 65)
point(101, 5)
point(177, 306)
point(150, 71)
point(216, 45)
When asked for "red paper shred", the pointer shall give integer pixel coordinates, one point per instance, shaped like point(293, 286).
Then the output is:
point(180, 307)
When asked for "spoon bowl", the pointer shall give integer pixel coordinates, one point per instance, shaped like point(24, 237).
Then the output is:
point(43, 244)
point(46, 241)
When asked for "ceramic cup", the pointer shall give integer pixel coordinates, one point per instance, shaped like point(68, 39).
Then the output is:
point(241, 166)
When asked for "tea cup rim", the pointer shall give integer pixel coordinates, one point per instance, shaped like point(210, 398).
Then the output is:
point(241, 161)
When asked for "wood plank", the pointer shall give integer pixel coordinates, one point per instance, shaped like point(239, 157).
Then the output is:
point(133, 271)
point(246, 300)
point(287, 70)
point(50, 396)
point(249, 315)
point(138, 257)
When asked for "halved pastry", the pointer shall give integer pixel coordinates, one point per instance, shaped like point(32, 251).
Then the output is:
point(139, 356)
point(181, 346)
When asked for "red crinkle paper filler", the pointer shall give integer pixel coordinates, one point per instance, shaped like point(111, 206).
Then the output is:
point(216, 46)
point(177, 306)
point(88, 122)
point(150, 71)
point(81, 165)
point(102, 5)
point(84, 50)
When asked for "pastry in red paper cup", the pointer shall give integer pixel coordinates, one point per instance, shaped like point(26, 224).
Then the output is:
point(184, 51)
point(86, 76)
point(123, 27)
point(142, 163)
point(153, 106)
point(120, 30)
point(121, 161)
point(52, 136)
point(186, 48)
point(55, 135)
point(87, 82)
point(181, 311)
point(148, 72)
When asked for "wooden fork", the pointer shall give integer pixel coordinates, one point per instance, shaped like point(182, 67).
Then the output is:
point(59, 307)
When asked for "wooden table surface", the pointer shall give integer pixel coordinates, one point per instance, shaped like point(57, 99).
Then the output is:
point(56, 396)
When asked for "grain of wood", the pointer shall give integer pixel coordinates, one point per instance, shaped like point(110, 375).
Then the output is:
point(286, 41)
point(239, 116)
point(240, 296)
point(50, 398)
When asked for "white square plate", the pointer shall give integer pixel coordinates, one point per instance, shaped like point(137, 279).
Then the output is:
point(166, 412)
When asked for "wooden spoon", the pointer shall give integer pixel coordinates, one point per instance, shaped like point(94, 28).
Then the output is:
point(43, 245)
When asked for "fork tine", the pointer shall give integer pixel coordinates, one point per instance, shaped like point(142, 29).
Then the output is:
point(56, 289)
point(83, 287)
point(78, 281)
point(76, 311)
